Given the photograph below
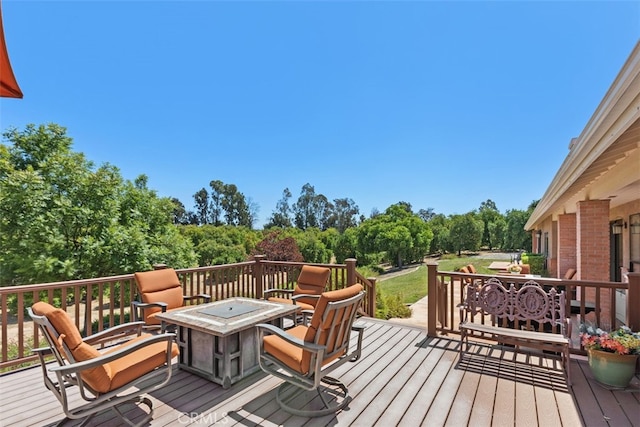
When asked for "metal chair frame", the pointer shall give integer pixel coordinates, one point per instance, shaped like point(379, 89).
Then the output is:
point(317, 378)
point(68, 371)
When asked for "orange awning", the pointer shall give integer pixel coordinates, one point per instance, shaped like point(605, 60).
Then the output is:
point(8, 85)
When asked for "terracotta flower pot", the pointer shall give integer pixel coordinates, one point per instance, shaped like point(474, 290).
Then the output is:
point(612, 369)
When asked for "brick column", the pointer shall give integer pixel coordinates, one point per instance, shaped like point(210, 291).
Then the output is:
point(592, 240)
point(567, 249)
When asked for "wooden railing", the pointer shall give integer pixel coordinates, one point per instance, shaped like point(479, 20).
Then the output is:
point(97, 304)
point(590, 302)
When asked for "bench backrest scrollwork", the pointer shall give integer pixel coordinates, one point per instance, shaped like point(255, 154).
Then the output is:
point(528, 302)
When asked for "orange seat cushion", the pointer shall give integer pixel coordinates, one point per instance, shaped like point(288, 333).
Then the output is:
point(287, 353)
point(140, 362)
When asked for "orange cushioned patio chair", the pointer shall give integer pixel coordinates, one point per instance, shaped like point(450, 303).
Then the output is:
point(304, 355)
point(310, 285)
point(569, 274)
point(160, 291)
point(121, 374)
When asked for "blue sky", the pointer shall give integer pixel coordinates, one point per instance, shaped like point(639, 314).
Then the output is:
point(440, 104)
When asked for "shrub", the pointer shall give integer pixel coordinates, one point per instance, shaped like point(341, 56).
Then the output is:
point(390, 306)
point(536, 262)
point(396, 308)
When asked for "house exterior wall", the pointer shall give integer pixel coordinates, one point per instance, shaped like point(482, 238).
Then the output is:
point(592, 240)
point(567, 240)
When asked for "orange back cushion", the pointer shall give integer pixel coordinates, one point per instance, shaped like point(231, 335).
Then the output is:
point(318, 331)
point(159, 286)
point(98, 378)
point(312, 281)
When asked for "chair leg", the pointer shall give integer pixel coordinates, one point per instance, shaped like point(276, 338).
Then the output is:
point(333, 394)
point(137, 402)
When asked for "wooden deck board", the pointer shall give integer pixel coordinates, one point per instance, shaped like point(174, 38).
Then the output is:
point(403, 378)
point(482, 410)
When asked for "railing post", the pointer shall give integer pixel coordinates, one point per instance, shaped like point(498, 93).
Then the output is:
point(257, 275)
point(351, 271)
point(432, 297)
point(633, 302)
point(372, 297)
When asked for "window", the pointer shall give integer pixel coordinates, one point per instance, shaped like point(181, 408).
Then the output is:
point(634, 238)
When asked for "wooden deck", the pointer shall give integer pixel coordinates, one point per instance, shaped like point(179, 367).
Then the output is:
point(403, 378)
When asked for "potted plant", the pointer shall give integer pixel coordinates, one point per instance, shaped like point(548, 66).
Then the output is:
point(612, 355)
point(514, 269)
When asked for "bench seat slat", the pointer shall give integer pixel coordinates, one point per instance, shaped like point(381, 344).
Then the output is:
point(515, 333)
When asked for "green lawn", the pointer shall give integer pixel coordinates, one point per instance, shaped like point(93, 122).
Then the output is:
point(413, 286)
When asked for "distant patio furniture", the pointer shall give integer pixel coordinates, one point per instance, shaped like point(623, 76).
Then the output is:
point(570, 273)
point(304, 355)
point(160, 291)
point(311, 283)
point(121, 374)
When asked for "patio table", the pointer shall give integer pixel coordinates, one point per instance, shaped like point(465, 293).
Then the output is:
point(219, 340)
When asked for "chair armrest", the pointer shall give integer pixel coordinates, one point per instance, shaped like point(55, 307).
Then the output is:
point(161, 305)
point(137, 305)
point(115, 332)
point(298, 296)
point(273, 330)
point(115, 355)
point(276, 290)
point(42, 351)
point(205, 297)
point(306, 316)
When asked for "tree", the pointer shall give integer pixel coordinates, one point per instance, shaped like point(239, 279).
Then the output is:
point(402, 235)
point(180, 214)
point(347, 246)
point(465, 233)
point(310, 244)
point(225, 202)
point(311, 209)
point(515, 237)
point(439, 225)
point(217, 190)
point(344, 215)
point(490, 215)
point(201, 199)
point(276, 247)
point(61, 218)
point(223, 244)
point(281, 216)
point(426, 214)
